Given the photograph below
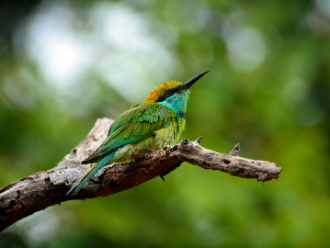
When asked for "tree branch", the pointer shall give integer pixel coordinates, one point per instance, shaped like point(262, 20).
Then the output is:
point(46, 188)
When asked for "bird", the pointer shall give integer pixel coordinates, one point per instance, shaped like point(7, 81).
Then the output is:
point(148, 126)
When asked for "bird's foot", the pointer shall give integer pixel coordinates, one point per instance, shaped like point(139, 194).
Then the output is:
point(149, 149)
point(167, 148)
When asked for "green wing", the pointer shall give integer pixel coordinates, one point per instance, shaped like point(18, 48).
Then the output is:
point(134, 125)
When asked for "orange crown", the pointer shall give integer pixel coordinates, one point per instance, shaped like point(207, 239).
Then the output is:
point(160, 90)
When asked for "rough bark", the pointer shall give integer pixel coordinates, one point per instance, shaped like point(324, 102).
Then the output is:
point(46, 188)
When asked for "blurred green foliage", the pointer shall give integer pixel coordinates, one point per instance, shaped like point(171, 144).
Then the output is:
point(65, 63)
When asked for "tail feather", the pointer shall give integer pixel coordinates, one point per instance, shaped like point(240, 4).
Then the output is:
point(81, 182)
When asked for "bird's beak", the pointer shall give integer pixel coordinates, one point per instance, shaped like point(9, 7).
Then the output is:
point(193, 80)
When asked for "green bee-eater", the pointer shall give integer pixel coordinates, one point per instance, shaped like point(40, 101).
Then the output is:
point(150, 125)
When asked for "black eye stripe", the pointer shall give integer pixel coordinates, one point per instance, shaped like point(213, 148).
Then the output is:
point(167, 94)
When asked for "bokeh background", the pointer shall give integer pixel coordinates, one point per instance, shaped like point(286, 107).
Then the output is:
point(63, 64)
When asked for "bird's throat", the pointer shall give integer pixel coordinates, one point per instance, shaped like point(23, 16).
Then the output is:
point(177, 103)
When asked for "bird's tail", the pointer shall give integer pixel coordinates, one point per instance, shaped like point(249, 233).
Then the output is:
point(81, 182)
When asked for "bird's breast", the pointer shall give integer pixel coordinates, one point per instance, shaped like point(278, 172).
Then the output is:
point(170, 134)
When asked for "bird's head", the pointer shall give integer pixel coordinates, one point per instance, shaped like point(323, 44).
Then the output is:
point(168, 89)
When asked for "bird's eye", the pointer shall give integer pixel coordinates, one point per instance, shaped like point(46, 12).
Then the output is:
point(168, 93)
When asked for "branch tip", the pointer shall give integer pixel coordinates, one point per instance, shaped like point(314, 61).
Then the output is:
point(235, 150)
point(262, 177)
point(198, 140)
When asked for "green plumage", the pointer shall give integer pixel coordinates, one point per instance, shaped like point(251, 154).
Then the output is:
point(134, 127)
point(155, 123)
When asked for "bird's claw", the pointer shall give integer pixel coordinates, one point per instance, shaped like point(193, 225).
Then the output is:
point(167, 148)
point(149, 149)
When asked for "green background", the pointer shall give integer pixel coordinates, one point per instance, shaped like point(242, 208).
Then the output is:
point(66, 63)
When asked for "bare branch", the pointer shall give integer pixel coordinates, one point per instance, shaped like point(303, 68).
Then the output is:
point(46, 188)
